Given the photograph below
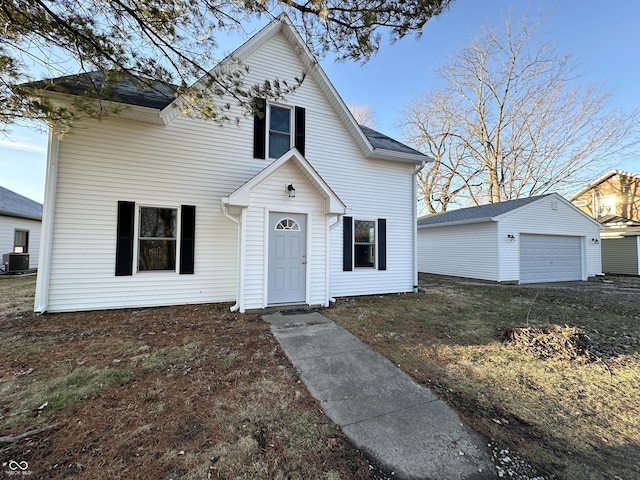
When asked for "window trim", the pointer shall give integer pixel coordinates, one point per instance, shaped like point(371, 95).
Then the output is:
point(127, 238)
point(374, 264)
point(261, 130)
point(137, 238)
point(348, 244)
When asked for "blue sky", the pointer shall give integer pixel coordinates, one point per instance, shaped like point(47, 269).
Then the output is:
point(605, 38)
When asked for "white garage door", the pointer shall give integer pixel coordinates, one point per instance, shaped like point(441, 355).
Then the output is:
point(550, 258)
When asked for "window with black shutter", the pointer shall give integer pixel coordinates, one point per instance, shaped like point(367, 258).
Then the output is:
point(157, 238)
point(278, 128)
point(364, 244)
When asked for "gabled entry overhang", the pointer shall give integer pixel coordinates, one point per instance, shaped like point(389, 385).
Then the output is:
point(241, 197)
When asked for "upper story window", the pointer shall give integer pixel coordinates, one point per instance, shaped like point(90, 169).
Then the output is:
point(279, 130)
point(606, 205)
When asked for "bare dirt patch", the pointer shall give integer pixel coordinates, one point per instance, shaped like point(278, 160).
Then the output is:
point(186, 392)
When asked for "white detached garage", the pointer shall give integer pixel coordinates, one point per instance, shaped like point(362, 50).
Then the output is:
point(527, 240)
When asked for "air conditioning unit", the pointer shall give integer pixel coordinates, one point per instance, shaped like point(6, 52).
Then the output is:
point(15, 262)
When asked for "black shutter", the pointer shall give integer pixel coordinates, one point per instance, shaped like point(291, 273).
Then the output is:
point(382, 244)
point(300, 129)
point(187, 238)
point(125, 235)
point(260, 129)
point(347, 244)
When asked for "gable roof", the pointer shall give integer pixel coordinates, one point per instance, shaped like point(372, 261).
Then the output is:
point(492, 212)
point(15, 205)
point(332, 203)
point(481, 213)
point(601, 179)
point(156, 103)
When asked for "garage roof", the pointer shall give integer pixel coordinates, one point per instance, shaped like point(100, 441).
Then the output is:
point(481, 213)
point(15, 205)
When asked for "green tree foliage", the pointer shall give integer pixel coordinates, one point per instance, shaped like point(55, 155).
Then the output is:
point(171, 43)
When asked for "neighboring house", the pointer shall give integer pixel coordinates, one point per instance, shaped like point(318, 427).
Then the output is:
point(20, 225)
point(148, 207)
point(614, 194)
point(614, 200)
point(528, 240)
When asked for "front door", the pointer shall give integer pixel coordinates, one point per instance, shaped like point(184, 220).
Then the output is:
point(287, 258)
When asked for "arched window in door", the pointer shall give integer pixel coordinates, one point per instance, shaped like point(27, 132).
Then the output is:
point(288, 224)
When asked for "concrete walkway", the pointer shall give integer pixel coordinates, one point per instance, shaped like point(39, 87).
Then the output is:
point(395, 421)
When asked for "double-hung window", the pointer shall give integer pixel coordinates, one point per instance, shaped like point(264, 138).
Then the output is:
point(279, 130)
point(157, 239)
point(364, 244)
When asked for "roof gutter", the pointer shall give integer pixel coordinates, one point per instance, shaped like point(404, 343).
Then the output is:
point(381, 154)
point(18, 215)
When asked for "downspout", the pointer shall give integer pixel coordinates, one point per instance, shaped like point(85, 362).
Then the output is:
point(328, 254)
point(43, 279)
point(225, 212)
point(415, 225)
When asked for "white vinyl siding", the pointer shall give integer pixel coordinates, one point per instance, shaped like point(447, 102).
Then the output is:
point(8, 227)
point(547, 216)
point(271, 196)
point(194, 162)
point(370, 189)
point(149, 165)
point(460, 250)
point(490, 250)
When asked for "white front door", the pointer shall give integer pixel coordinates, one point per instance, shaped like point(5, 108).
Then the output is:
point(287, 270)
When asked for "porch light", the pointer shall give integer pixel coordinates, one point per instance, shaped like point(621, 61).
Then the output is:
point(291, 190)
point(511, 238)
point(595, 241)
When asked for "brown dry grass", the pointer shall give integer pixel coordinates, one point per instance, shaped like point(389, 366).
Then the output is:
point(570, 419)
point(188, 392)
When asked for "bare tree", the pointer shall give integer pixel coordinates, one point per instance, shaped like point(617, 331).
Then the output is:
point(364, 115)
point(510, 121)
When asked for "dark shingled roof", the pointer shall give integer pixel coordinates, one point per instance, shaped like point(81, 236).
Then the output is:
point(127, 90)
point(14, 205)
point(479, 213)
point(130, 91)
point(381, 141)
